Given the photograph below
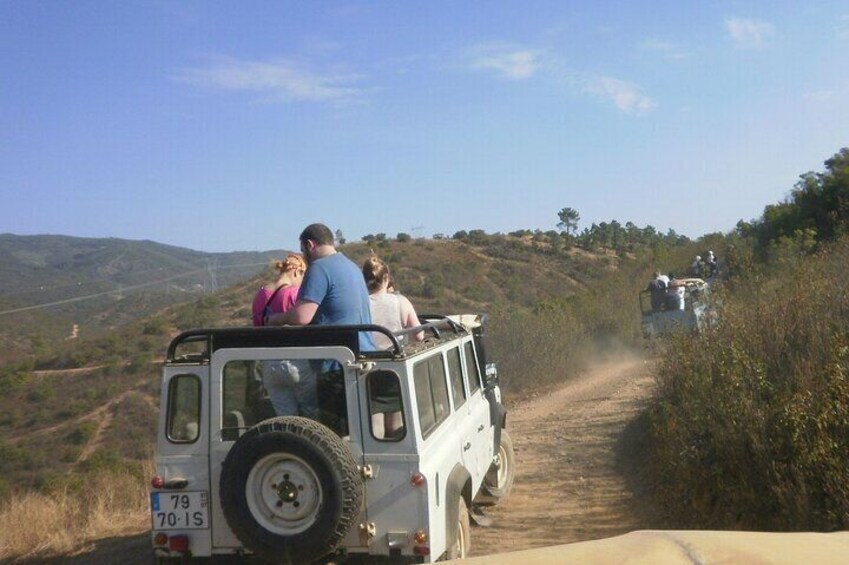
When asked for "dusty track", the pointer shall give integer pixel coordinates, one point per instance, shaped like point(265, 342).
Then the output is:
point(572, 474)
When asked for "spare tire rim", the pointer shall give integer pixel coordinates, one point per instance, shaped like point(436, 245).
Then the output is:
point(501, 466)
point(283, 493)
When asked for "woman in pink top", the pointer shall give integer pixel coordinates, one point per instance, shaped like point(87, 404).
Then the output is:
point(291, 384)
point(279, 297)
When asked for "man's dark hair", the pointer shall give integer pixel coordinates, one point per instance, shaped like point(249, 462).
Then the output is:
point(319, 233)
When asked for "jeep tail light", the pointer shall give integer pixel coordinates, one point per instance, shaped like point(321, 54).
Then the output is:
point(171, 484)
point(179, 543)
point(420, 539)
point(417, 480)
point(421, 550)
point(160, 539)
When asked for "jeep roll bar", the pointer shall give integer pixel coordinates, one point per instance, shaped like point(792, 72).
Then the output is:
point(214, 339)
point(278, 336)
point(433, 323)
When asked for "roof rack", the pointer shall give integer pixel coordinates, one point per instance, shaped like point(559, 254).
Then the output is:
point(214, 339)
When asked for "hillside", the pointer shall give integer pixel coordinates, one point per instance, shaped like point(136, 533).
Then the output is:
point(52, 284)
point(93, 403)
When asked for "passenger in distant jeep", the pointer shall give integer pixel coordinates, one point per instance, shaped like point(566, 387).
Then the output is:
point(657, 288)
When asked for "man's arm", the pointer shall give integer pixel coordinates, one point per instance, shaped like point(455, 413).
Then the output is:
point(301, 315)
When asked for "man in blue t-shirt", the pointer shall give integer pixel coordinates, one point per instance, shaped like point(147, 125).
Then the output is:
point(333, 291)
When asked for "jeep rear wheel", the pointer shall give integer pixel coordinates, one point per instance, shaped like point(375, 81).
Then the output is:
point(499, 479)
point(461, 538)
point(290, 490)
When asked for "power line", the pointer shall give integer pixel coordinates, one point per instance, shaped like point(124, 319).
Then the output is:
point(124, 289)
point(110, 278)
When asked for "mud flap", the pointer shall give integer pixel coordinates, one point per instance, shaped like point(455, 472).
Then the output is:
point(497, 417)
point(478, 517)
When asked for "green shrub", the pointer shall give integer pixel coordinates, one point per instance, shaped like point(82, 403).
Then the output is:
point(15, 376)
point(534, 350)
point(751, 425)
point(83, 432)
point(156, 326)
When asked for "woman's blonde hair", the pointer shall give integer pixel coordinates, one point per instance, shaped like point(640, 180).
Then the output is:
point(375, 272)
point(293, 262)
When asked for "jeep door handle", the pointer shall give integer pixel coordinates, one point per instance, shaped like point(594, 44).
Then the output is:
point(480, 428)
point(468, 446)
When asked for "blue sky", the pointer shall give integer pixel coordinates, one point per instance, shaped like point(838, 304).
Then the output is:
point(226, 126)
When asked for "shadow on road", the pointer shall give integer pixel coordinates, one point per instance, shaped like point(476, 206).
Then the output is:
point(126, 550)
point(630, 453)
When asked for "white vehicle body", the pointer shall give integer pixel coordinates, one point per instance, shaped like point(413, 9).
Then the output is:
point(669, 318)
point(407, 492)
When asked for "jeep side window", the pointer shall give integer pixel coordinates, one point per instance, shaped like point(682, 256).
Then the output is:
point(431, 393)
point(455, 373)
point(183, 419)
point(386, 409)
point(472, 367)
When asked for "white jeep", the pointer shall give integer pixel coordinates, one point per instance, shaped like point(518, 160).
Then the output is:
point(234, 479)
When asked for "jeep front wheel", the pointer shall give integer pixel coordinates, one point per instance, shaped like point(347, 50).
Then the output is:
point(290, 490)
point(499, 478)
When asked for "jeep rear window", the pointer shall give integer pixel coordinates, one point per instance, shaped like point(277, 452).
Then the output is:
point(183, 419)
point(244, 401)
point(431, 393)
point(472, 367)
point(455, 373)
point(255, 390)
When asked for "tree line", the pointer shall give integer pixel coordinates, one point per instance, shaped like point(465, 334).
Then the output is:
point(815, 212)
point(613, 235)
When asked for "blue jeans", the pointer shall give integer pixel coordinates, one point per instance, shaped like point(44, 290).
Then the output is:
point(291, 387)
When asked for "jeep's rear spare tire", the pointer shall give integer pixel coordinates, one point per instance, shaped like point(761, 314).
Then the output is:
point(290, 490)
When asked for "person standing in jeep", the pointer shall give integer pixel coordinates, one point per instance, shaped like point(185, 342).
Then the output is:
point(333, 292)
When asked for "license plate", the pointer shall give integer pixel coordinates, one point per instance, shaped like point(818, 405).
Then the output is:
point(180, 510)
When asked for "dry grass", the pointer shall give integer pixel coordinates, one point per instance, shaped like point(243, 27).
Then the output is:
point(67, 521)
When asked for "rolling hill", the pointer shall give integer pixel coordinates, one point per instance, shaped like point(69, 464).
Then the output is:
point(53, 286)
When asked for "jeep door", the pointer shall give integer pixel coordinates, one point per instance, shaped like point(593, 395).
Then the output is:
point(396, 507)
point(481, 428)
point(182, 454)
point(438, 441)
point(239, 401)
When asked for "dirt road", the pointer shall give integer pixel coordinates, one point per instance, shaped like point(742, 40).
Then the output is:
point(573, 470)
point(573, 474)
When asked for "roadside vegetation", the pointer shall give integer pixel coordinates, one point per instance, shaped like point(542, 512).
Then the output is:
point(750, 429)
point(66, 518)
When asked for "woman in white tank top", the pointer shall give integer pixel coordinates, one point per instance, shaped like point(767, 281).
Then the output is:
point(394, 312)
